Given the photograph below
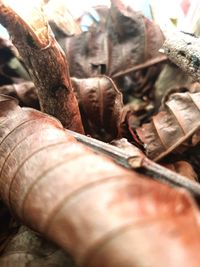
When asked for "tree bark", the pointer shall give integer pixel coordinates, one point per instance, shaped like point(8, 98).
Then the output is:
point(184, 50)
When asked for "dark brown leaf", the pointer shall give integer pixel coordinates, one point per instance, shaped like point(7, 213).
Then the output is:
point(11, 70)
point(171, 77)
point(172, 127)
point(8, 226)
point(25, 93)
point(101, 105)
point(93, 208)
point(125, 40)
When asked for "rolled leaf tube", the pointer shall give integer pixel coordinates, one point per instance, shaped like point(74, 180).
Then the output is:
point(101, 213)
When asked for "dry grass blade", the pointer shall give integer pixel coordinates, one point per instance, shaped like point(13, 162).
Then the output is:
point(170, 128)
point(45, 60)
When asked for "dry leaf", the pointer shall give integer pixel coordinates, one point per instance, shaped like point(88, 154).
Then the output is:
point(170, 77)
point(126, 39)
point(11, 70)
point(91, 207)
point(100, 104)
point(172, 127)
point(25, 93)
point(184, 168)
point(27, 248)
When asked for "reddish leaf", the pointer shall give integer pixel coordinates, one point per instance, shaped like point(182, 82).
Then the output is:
point(98, 211)
point(171, 128)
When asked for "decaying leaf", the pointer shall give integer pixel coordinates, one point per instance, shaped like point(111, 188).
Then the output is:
point(100, 104)
point(27, 248)
point(172, 127)
point(91, 207)
point(116, 45)
point(183, 168)
point(25, 93)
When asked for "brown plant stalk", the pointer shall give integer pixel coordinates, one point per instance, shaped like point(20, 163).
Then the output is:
point(45, 61)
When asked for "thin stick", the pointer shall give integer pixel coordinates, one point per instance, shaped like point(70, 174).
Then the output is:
point(45, 61)
point(136, 160)
point(141, 66)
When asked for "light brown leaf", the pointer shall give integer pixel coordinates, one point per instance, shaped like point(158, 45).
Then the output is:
point(91, 207)
point(172, 127)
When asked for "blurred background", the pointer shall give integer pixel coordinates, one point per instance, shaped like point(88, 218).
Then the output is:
point(180, 14)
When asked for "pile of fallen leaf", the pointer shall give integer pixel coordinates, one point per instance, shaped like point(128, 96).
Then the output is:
point(124, 88)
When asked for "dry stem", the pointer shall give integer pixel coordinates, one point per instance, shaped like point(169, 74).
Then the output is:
point(46, 63)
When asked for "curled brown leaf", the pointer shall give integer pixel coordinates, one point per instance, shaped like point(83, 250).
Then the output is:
point(100, 105)
point(171, 128)
point(91, 207)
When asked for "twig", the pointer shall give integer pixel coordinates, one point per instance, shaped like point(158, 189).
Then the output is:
point(136, 159)
point(46, 63)
point(184, 50)
point(141, 66)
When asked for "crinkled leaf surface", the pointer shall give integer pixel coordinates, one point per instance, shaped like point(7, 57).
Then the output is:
point(91, 207)
point(126, 39)
point(172, 127)
point(100, 105)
